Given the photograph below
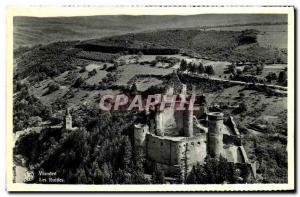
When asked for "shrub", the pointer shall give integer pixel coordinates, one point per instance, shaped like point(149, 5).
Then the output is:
point(200, 68)
point(52, 87)
point(79, 81)
point(242, 108)
point(282, 78)
point(271, 76)
point(248, 36)
point(183, 65)
point(83, 69)
point(209, 70)
point(93, 72)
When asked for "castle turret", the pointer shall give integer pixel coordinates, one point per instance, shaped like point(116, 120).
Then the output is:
point(140, 131)
point(215, 134)
point(68, 120)
point(188, 125)
point(158, 124)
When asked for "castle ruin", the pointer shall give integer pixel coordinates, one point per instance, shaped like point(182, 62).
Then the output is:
point(179, 139)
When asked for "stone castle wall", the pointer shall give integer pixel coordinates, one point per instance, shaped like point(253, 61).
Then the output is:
point(140, 132)
point(172, 153)
point(171, 122)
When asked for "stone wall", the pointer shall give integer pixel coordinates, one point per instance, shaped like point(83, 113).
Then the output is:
point(140, 132)
point(162, 150)
point(175, 151)
point(171, 122)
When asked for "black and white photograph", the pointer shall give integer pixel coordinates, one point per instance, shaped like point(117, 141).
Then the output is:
point(162, 102)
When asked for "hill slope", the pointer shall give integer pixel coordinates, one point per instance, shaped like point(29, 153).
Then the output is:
point(34, 30)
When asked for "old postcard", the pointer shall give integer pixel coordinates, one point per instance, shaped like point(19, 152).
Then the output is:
point(150, 98)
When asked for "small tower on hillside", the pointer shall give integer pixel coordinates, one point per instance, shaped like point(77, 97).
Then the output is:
point(68, 120)
point(215, 134)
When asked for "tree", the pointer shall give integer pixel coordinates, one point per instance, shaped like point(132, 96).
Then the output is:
point(222, 170)
point(282, 78)
point(191, 67)
point(104, 67)
point(52, 87)
point(214, 171)
point(242, 94)
point(83, 69)
point(232, 69)
point(245, 172)
point(247, 69)
point(158, 176)
point(81, 176)
point(209, 70)
point(127, 153)
point(200, 68)
point(93, 72)
point(79, 81)
point(96, 173)
point(259, 69)
point(239, 71)
point(242, 108)
point(271, 76)
point(183, 65)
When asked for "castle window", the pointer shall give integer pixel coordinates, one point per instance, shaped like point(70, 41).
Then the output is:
point(161, 144)
point(198, 142)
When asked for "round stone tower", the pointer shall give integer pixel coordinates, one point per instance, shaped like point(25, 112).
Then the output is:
point(158, 123)
point(188, 123)
point(215, 134)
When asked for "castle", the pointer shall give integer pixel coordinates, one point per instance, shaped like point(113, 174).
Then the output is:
point(179, 139)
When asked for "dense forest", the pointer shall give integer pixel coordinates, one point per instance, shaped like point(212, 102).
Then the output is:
point(101, 152)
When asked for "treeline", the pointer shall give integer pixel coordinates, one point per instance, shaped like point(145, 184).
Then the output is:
point(247, 24)
point(219, 171)
point(250, 74)
point(196, 68)
point(129, 50)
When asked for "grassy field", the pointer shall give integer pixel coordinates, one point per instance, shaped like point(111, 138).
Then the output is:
point(95, 79)
point(275, 68)
point(145, 83)
point(126, 72)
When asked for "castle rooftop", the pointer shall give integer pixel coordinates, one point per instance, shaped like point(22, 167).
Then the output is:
point(215, 116)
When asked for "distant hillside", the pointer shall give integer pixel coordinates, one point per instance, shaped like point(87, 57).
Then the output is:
point(213, 45)
point(34, 30)
point(50, 60)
